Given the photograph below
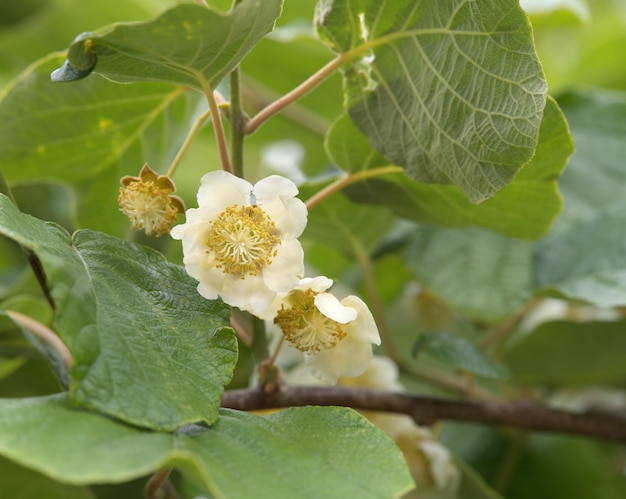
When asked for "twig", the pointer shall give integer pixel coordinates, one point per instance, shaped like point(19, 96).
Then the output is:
point(237, 124)
point(160, 481)
point(43, 333)
point(305, 87)
point(345, 181)
point(218, 128)
point(428, 410)
point(183, 149)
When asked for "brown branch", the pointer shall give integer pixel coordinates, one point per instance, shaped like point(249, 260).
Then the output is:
point(428, 410)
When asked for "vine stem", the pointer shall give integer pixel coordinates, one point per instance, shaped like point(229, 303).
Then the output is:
point(237, 124)
point(345, 181)
point(295, 94)
point(428, 410)
point(183, 149)
point(160, 481)
point(44, 333)
point(218, 127)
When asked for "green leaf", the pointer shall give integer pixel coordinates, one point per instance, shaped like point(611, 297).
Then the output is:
point(274, 451)
point(475, 271)
point(9, 366)
point(22, 483)
point(146, 347)
point(586, 262)
point(593, 180)
point(343, 225)
point(587, 353)
point(188, 45)
point(525, 208)
point(89, 134)
point(451, 91)
point(459, 352)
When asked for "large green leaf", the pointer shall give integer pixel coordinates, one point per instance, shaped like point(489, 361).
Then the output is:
point(587, 261)
point(146, 347)
point(586, 353)
point(593, 181)
point(334, 458)
point(459, 352)
point(22, 483)
point(480, 273)
point(343, 225)
point(89, 134)
point(452, 91)
point(525, 208)
point(188, 45)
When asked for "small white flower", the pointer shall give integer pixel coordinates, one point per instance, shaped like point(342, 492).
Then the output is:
point(241, 242)
point(335, 336)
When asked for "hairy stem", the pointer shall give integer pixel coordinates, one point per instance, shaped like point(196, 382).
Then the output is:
point(237, 124)
point(428, 410)
point(345, 181)
point(160, 481)
point(183, 149)
point(44, 333)
point(218, 127)
point(295, 94)
point(259, 96)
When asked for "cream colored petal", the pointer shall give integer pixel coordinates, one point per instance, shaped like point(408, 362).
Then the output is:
point(317, 284)
point(250, 294)
point(275, 195)
point(332, 308)
point(287, 267)
point(220, 189)
point(364, 326)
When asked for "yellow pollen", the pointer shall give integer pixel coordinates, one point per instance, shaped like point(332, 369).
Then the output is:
point(147, 207)
point(243, 240)
point(305, 327)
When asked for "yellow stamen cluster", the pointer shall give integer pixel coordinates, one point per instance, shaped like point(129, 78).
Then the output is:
point(243, 240)
point(305, 327)
point(147, 201)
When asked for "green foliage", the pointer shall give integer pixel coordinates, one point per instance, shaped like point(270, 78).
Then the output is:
point(412, 63)
point(275, 453)
point(525, 208)
point(459, 352)
point(485, 275)
point(433, 162)
point(186, 45)
point(130, 320)
point(578, 354)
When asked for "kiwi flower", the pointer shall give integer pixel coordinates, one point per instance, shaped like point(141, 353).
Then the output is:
point(241, 242)
point(335, 336)
point(147, 201)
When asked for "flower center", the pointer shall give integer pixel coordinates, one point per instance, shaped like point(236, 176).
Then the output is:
point(305, 327)
point(147, 207)
point(243, 240)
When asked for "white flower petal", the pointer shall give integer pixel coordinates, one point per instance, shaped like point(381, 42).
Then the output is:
point(325, 367)
point(317, 284)
point(250, 294)
point(274, 186)
point(220, 189)
point(332, 308)
point(289, 215)
point(357, 355)
point(207, 292)
point(178, 231)
point(364, 325)
point(276, 196)
point(287, 267)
